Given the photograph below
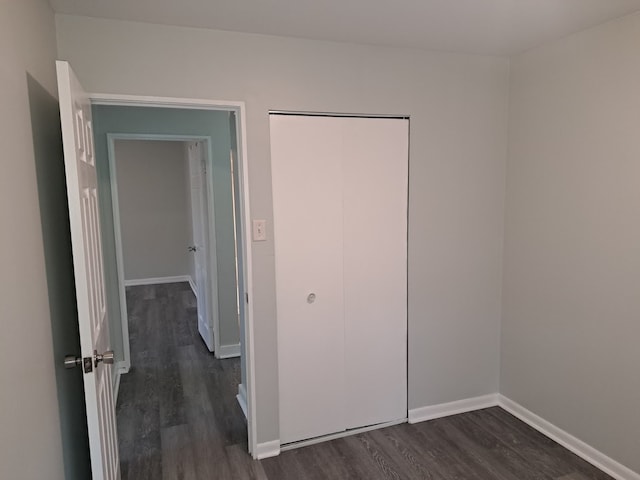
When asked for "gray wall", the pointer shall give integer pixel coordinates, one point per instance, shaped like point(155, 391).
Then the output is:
point(458, 108)
point(172, 121)
point(155, 213)
point(572, 255)
point(42, 420)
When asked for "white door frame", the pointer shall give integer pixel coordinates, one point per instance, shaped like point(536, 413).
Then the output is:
point(245, 225)
point(124, 365)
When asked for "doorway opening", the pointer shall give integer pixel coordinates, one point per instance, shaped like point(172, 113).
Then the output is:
point(205, 297)
point(166, 230)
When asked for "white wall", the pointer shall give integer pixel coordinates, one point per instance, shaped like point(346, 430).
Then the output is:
point(572, 256)
point(40, 403)
point(458, 109)
point(155, 214)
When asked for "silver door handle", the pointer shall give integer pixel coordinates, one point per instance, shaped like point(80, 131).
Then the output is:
point(107, 357)
point(71, 361)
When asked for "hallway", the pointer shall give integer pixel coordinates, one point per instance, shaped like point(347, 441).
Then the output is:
point(177, 412)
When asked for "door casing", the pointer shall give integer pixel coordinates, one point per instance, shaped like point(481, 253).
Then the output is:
point(246, 288)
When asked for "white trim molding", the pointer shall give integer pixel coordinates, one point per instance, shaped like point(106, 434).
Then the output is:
point(432, 412)
point(577, 446)
point(120, 368)
point(156, 280)
point(192, 284)
point(228, 351)
point(242, 399)
point(267, 450)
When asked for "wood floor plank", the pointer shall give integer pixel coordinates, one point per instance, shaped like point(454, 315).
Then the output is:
point(536, 458)
point(171, 395)
point(555, 450)
point(572, 476)
point(371, 462)
point(243, 467)
point(506, 461)
point(414, 464)
point(178, 461)
point(140, 443)
point(446, 457)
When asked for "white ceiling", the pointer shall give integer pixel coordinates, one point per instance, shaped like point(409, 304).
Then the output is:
point(497, 27)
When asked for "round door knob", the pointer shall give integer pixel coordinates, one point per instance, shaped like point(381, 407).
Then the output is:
point(311, 298)
point(107, 357)
point(71, 361)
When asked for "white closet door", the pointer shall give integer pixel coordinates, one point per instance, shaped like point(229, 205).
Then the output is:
point(375, 172)
point(306, 169)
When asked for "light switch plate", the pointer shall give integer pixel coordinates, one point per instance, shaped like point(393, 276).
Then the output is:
point(259, 230)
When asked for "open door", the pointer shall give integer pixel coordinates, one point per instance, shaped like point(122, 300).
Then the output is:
point(96, 357)
point(200, 216)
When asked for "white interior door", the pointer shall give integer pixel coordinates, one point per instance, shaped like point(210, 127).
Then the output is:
point(306, 169)
point(340, 227)
point(82, 191)
point(376, 153)
point(199, 214)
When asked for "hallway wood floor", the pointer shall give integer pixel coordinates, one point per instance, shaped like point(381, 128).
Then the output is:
point(178, 419)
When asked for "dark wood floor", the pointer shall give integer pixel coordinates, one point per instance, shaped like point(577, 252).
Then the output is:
point(178, 419)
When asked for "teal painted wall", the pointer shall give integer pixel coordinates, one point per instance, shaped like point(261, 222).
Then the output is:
point(171, 121)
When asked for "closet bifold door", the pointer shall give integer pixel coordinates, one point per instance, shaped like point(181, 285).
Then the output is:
point(375, 177)
point(306, 169)
point(340, 237)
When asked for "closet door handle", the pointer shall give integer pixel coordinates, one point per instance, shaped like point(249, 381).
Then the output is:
point(311, 298)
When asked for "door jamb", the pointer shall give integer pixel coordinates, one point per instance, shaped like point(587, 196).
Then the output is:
point(239, 109)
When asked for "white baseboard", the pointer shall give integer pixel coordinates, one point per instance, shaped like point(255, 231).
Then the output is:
point(228, 351)
point(192, 284)
point(267, 449)
point(242, 399)
point(452, 408)
point(156, 280)
point(577, 446)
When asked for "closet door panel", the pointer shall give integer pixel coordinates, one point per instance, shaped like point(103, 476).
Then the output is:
point(307, 201)
point(375, 172)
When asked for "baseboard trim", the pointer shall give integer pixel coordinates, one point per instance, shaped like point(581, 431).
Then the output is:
point(242, 399)
point(192, 284)
point(432, 412)
point(267, 450)
point(577, 446)
point(156, 280)
point(228, 351)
